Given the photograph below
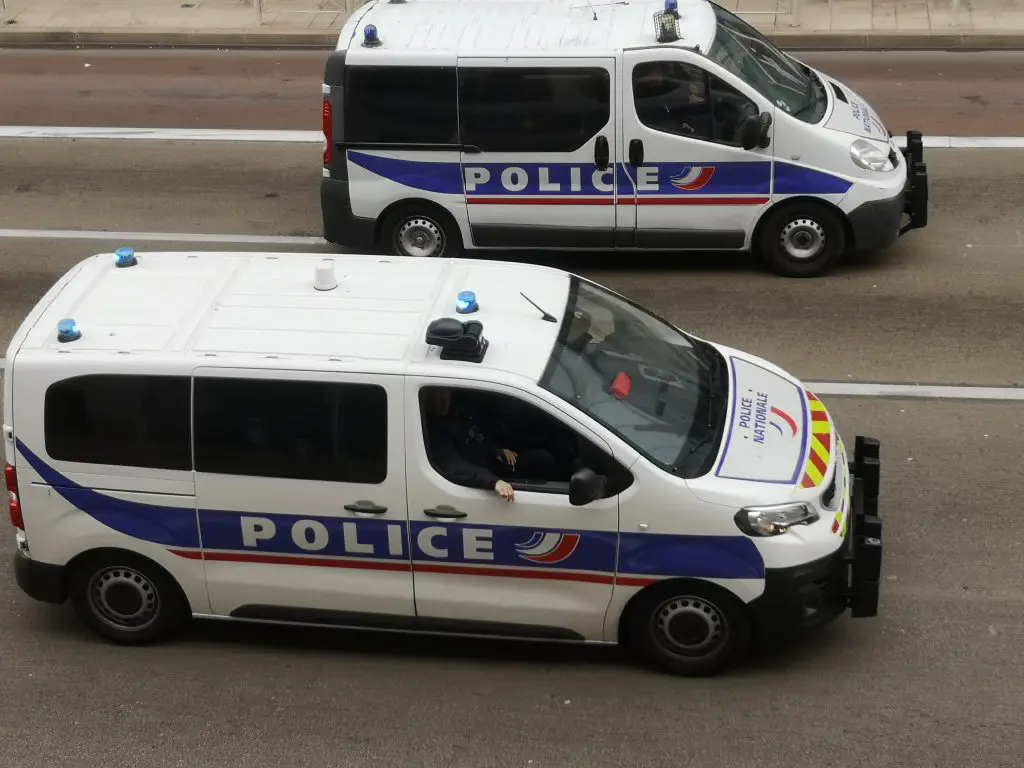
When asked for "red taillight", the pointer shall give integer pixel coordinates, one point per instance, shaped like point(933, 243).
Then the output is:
point(11, 478)
point(328, 129)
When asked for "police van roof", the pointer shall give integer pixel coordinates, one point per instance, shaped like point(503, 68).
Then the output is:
point(242, 309)
point(451, 28)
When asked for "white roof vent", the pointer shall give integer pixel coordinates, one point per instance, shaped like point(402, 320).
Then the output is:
point(325, 279)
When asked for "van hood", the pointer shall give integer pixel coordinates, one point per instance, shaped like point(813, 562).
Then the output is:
point(776, 431)
point(852, 114)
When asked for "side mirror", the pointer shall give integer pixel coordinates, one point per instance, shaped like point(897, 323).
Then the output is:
point(586, 486)
point(753, 131)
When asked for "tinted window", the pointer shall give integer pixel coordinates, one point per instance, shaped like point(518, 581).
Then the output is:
point(401, 105)
point(684, 100)
point(299, 430)
point(534, 109)
point(129, 421)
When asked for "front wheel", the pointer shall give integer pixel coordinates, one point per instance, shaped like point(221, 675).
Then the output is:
point(689, 629)
point(801, 240)
point(422, 233)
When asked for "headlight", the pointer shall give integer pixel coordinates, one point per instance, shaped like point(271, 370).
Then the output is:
point(868, 156)
point(775, 519)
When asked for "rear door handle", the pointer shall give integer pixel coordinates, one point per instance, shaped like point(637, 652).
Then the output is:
point(366, 506)
point(601, 153)
point(636, 152)
point(443, 510)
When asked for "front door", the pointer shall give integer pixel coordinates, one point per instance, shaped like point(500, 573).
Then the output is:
point(539, 157)
point(694, 186)
point(535, 565)
point(300, 485)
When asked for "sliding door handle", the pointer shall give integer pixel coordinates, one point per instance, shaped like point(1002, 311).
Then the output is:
point(445, 511)
point(366, 506)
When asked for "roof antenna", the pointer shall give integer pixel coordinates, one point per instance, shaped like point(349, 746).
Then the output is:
point(544, 315)
point(594, 10)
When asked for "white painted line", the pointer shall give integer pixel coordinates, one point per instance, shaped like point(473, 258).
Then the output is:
point(924, 391)
point(316, 137)
point(176, 237)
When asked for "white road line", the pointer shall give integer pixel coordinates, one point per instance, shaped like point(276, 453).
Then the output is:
point(128, 238)
point(868, 389)
point(316, 137)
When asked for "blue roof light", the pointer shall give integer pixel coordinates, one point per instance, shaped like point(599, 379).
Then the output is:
point(466, 303)
point(67, 330)
point(370, 37)
point(125, 257)
point(671, 6)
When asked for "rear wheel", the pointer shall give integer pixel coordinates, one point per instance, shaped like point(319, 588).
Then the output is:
point(127, 599)
point(803, 239)
point(421, 232)
point(689, 629)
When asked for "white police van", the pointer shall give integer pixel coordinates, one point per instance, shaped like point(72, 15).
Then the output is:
point(261, 437)
point(560, 124)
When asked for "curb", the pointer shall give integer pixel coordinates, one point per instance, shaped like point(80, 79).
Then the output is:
point(302, 40)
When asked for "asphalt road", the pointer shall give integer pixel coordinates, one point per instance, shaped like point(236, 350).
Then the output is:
point(958, 94)
point(936, 680)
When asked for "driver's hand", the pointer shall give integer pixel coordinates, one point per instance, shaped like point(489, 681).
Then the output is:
point(505, 490)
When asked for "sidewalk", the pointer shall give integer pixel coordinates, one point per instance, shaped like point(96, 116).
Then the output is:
point(793, 24)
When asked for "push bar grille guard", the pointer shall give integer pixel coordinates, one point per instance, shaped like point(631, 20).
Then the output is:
point(915, 191)
point(864, 540)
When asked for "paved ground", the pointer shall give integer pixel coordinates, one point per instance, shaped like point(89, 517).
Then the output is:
point(873, 24)
point(935, 681)
point(960, 94)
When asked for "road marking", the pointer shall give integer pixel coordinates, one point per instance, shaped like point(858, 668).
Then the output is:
point(316, 137)
point(176, 237)
point(870, 389)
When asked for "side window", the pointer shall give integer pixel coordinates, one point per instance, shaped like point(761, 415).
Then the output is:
point(532, 109)
point(466, 432)
point(120, 420)
point(296, 430)
point(684, 100)
point(401, 105)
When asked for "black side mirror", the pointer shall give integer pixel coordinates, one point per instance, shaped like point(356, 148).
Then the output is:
point(586, 486)
point(753, 131)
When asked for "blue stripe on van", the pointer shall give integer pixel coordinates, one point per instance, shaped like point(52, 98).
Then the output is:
point(516, 547)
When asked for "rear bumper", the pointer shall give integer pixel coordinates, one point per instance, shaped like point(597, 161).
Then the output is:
point(40, 581)
point(341, 226)
point(814, 594)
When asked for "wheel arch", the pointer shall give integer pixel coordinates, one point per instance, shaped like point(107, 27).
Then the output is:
point(417, 203)
point(802, 199)
point(100, 554)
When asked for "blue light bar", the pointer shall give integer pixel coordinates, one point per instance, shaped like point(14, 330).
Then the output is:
point(466, 303)
point(370, 37)
point(67, 330)
point(125, 257)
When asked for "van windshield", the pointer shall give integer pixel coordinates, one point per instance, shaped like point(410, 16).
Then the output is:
point(745, 52)
point(657, 388)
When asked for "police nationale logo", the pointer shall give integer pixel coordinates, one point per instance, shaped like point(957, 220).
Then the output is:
point(548, 547)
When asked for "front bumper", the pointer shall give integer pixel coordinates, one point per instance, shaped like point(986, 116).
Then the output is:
point(815, 593)
point(915, 191)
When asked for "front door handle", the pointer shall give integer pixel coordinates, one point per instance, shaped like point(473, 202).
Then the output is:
point(636, 152)
point(366, 506)
point(601, 153)
point(443, 510)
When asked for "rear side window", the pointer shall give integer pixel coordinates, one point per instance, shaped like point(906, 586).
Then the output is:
point(401, 105)
point(296, 430)
point(533, 109)
point(120, 420)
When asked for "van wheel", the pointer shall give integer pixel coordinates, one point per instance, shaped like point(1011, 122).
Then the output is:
point(691, 630)
point(127, 599)
point(804, 239)
point(421, 232)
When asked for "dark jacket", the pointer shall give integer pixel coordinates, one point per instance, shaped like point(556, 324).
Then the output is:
point(461, 451)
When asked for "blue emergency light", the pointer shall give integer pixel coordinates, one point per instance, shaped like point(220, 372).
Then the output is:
point(466, 304)
point(671, 6)
point(125, 257)
point(370, 38)
point(67, 330)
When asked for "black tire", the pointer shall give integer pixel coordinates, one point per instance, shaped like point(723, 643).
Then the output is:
point(127, 599)
point(433, 228)
point(802, 239)
point(666, 619)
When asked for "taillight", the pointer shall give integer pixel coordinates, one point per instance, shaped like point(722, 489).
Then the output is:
point(11, 478)
point(328, 129)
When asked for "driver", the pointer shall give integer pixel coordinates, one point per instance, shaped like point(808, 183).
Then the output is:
point(467, 456)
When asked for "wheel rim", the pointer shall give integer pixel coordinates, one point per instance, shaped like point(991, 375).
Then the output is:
point(689, 626)
point(420, 236)
point(802, 239)
point(124, 599)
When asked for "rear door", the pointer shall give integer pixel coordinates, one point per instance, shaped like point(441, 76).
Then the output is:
point(539, 151)
point(300, 483)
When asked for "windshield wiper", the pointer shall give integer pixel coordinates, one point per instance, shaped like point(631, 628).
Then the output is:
point(812, 100)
